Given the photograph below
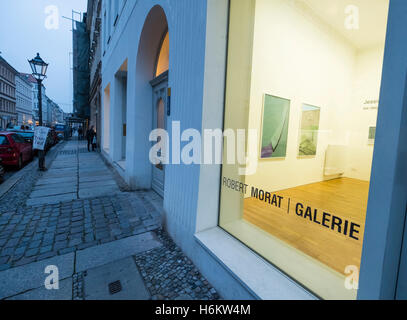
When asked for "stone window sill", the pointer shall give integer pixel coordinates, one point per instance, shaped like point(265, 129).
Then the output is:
point(258, 276)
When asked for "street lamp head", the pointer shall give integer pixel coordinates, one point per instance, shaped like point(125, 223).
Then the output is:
point(38, 67)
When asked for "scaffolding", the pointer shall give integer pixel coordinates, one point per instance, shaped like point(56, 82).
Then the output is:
point(80, 66)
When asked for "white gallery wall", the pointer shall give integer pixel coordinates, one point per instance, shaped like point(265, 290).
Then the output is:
point(366, 89)
point(297, 56)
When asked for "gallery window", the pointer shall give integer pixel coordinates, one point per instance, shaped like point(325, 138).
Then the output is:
point(303, 83)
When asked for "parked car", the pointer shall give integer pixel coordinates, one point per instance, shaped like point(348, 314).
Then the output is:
point(1, 172)
point(50, 141)
point(14, 149)
point(28, 135)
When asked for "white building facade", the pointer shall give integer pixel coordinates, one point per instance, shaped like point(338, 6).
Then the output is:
point(34, 92)
point(24, 100)
point(207, 64)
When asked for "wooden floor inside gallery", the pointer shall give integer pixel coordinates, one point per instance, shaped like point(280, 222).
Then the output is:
point(345, 198)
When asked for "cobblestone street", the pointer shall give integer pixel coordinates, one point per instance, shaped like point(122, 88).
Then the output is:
point(79, 211)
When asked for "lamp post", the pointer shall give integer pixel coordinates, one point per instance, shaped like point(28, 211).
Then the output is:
point(39, 70)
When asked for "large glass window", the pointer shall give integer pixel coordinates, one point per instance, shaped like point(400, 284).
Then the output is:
point(303, 81)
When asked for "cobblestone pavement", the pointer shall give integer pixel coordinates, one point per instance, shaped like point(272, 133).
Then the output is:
point(78, 286)
point(170, 275)
point(34, 233)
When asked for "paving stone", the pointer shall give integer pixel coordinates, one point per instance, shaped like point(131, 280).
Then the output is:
point(34, 244)
point(7, 252)
point(45, 249)
point(76, 230)
point(16, 280)
point(87, 245)
point(12, 243)
point(64, 292)
point(67, 250)
point(106, 253)
point(97, 280)
point(19, 251)
point(75, 242)
point(24, 261)
point(31, 252)
point(37, 236)
point(46, 255)
point(4, 260)
point(60, 245)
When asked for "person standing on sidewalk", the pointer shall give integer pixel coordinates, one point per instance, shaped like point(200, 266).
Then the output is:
point(90, 135)
point(80, 133)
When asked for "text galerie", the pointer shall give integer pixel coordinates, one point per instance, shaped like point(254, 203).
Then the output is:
point(315, 215)
point(207, 149)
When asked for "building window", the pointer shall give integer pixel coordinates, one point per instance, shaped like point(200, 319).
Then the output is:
point(303, 84)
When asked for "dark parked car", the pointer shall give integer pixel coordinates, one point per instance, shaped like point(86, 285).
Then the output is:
point(14, 149)
point(54, 136)
point(50, 141)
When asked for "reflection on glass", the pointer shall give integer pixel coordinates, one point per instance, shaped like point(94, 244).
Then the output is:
point(304, 208)
point(309, 130)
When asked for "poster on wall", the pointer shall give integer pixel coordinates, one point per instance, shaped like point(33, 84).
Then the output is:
point(310, 116)
point(276, 114)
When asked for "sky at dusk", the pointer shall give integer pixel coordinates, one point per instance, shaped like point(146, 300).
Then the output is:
point(31, 26)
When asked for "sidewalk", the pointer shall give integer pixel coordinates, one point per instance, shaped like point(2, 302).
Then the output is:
point(76, 218)
point(74, 174)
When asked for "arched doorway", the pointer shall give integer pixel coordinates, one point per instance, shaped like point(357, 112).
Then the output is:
point(160, 104)
point(151, 83)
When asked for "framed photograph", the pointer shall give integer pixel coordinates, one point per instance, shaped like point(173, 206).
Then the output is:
point(309, 128)
point(276, 114)
point(372, 135)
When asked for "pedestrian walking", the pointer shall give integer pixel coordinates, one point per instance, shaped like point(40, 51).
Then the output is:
point(94, 143)
point(80, 133)
point(91, 137)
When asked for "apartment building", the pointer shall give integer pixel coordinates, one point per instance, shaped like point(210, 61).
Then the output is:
point(94, 28)
point(24, 100)
point(8, 113)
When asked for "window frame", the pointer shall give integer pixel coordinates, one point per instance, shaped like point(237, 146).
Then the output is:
point(381, 257)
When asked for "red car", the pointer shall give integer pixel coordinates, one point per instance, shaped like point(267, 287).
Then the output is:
point(14, 149)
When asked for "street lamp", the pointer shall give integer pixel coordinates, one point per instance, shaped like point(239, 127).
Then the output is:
point(39, 70)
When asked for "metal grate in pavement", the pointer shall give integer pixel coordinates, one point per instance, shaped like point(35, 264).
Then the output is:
point(115, 287)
